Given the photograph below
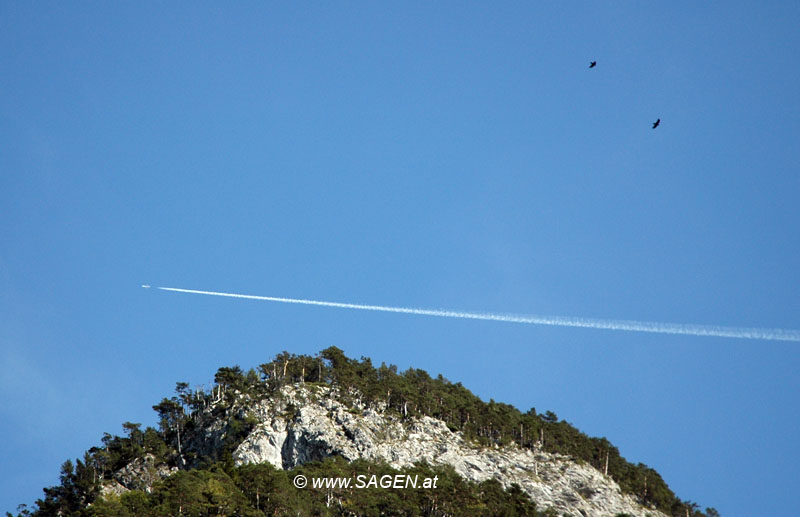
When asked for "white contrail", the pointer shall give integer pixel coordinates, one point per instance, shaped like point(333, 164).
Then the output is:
point(558, 321)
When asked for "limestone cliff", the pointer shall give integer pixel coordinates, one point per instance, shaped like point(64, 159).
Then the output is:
point(303, 423)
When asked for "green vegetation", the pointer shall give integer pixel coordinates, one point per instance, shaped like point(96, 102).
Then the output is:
point(259, 490)
point(209, 484)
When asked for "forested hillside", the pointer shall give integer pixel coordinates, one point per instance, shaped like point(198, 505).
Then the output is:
point(209, 483)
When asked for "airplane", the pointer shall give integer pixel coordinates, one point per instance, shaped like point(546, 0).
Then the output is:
point(656, 123)
point(593, 64)
point(146, 286)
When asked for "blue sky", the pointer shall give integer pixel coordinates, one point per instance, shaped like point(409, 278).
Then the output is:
point(454, 155)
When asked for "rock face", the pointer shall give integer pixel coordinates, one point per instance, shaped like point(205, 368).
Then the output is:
point(140, 474)
point(309, 424)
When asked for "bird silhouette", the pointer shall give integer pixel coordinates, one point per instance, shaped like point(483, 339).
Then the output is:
point(656, 123)
point(593, 64)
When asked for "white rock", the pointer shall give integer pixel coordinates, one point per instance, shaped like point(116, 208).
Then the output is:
point(322, 427)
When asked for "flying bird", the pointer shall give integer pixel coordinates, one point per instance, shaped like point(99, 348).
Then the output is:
point(656, 123)
point(593, 64)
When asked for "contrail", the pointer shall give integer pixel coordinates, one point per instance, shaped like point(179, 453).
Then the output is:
point(557, 321)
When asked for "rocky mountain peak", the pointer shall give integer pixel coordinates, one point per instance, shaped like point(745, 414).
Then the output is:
point(304, 423)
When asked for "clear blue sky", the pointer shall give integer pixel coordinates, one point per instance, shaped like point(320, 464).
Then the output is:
point(449, 154)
